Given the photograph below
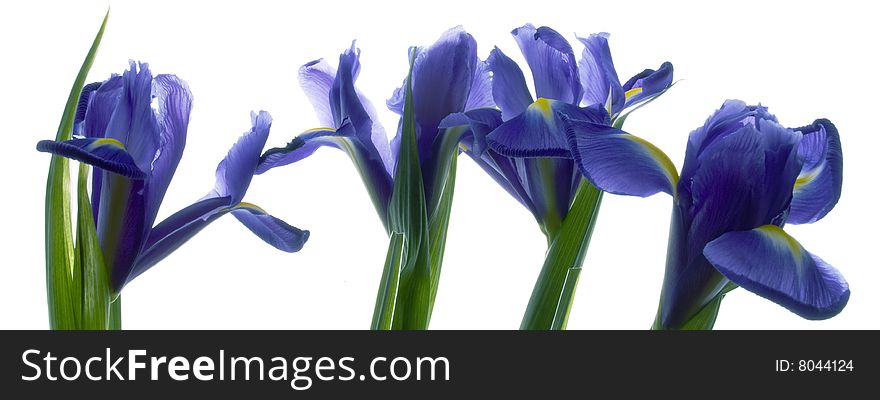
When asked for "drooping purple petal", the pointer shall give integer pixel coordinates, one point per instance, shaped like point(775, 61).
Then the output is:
point(175, 231)
point(106, 154)
point(618, 162)
point(597, 73)
point(198, 210)
point(552, 62)
point(273, 231)
point(301, 147)
point(819, 183)
point(537, 133)
point(509, 88)
point(769, 262)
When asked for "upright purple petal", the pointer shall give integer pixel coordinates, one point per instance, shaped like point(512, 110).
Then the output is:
point(552, 61)
point(509, 88)
point(480, 93)
point(174, 103)
point(601, 84)
point(316, 78)
point(235, 172)
point(133, 122)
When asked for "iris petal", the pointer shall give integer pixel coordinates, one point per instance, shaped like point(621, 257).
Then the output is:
point(552, 61)
point(133, 122)
point(174, 232)
point(299, 148)
point(235, 172)
point(102, 102)
point(598, 75)
point(536, 132)
point(509, 88)
point(647, 84)
point(316, 79)
point(772, 264)
point(107, 154)
point(480, 93)
point(818, 185)
point(618, 162)
point(179, 228)
point(273, 231)
point(174, 103)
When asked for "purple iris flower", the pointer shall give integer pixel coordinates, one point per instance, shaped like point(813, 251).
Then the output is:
point(744, 177)
point(447, 78)
point(521, 144)
point(133, 128)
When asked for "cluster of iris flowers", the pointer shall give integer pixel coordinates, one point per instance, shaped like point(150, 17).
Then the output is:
point(555, 151)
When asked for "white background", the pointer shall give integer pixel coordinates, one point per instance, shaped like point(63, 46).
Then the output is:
point(804, 60)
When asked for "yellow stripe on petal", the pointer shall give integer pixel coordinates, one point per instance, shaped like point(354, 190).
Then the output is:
point(659, 156)
point(632, 92)
point(249, 206)
point(805, 178)
point(105, 142)
point(319, 129)
point(782, 238)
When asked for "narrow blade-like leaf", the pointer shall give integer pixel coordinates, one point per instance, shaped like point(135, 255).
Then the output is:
point(566, 252)
point(58, 224)
point(383, 314)
point(95, 282)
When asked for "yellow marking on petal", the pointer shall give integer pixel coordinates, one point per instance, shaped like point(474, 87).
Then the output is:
point(632, 92)
point(778, 235)
point(464, 146)
point(544, 106)
point(659, 156)
point(106, 142)
point(805, 178)
point(250, 206)
point(319, 129)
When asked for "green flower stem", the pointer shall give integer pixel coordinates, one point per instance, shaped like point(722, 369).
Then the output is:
point(554, 291)
point(115, 320)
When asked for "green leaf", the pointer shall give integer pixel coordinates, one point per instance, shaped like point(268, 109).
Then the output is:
point(60, 290)
point(438, 225)
point(554, 291)
point(566, 298)
point(95, 280)
point(407, 214)
point(383, 314)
